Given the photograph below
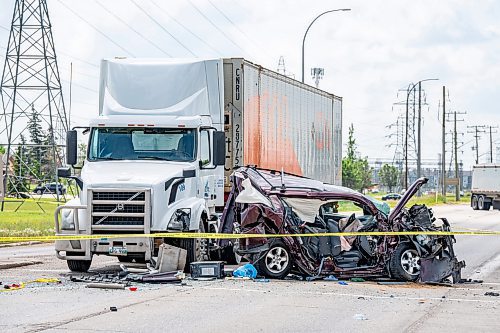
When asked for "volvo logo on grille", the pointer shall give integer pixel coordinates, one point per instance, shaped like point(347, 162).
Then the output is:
point(119, 206)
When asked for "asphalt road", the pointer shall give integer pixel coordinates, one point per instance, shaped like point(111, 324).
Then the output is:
point(246, 306)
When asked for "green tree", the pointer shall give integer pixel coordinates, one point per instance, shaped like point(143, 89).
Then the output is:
point(2, 150)
point(356, 173)
point(388, 175)
point(20, 179)
point(36, 154)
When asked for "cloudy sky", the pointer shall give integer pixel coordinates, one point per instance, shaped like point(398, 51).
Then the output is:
point(369, 54)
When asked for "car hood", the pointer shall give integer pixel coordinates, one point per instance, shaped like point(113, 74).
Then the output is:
point(407, 196)
point(138, 173)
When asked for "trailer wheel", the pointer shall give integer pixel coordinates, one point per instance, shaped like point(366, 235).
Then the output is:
point(480, 202)
point(473, 202)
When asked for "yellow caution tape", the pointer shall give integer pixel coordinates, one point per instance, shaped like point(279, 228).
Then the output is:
point(21, 285)
point(242, 236)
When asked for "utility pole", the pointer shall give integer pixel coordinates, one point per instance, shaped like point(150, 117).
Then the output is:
point(491, 142)
point(477, 130)
point(419, 140)
point(455, 144)
point(443, 151)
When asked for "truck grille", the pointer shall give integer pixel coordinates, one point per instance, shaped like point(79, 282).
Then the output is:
point(121, 209)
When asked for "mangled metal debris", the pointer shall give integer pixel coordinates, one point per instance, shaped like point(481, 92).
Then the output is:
point(269, 202)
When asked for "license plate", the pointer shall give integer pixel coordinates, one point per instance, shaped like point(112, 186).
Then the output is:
point(118, 251)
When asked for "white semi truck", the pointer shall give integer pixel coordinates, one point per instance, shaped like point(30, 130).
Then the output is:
point(485, 190)
point(168, 135)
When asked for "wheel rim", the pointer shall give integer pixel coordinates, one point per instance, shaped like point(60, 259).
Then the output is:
point(409, 262)
point(277, 260)
point(201, 245)
point(480, 202)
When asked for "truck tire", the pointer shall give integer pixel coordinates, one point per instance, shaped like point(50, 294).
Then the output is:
point(79, 265)
point(480, 202)
point(275, 262)
point(197, 248)
point(473, 202)
point(404, 264)
point(487, 206)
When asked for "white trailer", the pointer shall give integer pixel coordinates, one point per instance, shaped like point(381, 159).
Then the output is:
point(485, 187)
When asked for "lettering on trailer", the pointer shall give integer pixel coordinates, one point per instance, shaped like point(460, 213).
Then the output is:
point(237, 84)
point(237, 139)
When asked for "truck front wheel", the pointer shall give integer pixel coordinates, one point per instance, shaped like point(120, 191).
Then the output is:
point(197, 248)
point(79, 265)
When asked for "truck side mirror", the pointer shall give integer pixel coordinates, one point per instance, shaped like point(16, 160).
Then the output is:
point(71, 147)
point(64, 172)
point(219, 140)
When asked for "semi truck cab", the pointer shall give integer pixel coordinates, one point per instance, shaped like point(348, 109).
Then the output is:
point(154, 163)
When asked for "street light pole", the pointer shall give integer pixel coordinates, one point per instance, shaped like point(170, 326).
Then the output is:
point(411, 87)
point(307, 30)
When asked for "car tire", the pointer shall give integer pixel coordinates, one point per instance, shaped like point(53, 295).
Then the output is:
point(404, 264)
point(480, 202)
point(39, 192)
point(79, 265)
point(276, 262)
point(197, 248)
point(473, 202)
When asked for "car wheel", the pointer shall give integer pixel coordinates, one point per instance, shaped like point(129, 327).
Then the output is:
point(197, 248)
point(276, 262)
point(405, 263)
point(39, 192)
point(79, 265)
point(473, 202)
point(480, 202)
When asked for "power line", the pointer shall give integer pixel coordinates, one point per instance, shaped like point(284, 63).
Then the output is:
point(132, 28)
point(215, 26)
point(186, 28)
point(96, 29)
point(242, 32)
point(162, 27)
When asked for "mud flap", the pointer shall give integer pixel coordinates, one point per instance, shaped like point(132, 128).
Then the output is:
point(436, 270)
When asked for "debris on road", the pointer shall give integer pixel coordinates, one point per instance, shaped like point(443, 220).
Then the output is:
point(355, 279)
point(113, 308)
point(490, 293)
point(207, 269)
point(343, 283)
point(247, 270)
point(359, 316)
point(106, 285)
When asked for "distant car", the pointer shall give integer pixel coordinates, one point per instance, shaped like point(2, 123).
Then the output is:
point(50, 188)
point(391, 196)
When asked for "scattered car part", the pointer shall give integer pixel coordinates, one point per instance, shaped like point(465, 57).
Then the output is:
point(207, 269)
point(106, 285)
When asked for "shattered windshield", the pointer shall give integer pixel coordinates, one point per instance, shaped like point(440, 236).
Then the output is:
point(133, 143)
point(381, 206)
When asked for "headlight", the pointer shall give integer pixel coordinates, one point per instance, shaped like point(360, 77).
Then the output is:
point(180, 220)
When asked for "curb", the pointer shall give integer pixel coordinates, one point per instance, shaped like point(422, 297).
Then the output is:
point(20, 244)
point(15, 264)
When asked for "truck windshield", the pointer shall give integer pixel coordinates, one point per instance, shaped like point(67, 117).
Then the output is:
point(129, 143)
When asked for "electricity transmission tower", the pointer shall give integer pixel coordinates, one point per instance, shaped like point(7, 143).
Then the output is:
point(31, 94)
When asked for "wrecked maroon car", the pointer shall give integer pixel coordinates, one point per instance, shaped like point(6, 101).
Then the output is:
point(268, 203)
